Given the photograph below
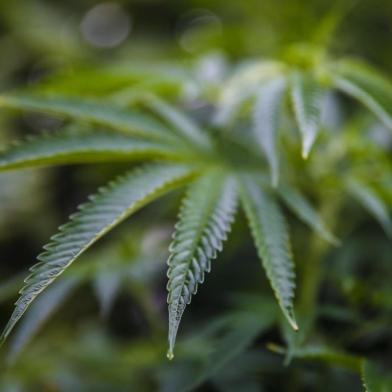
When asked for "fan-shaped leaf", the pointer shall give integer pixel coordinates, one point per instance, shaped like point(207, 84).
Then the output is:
point(271, 237)
point(92, 112)
point(305, 212)
point(67, 147)
point(265, 119)
point(205, 219)
point(105, 210)
point(367, 85)
point(307, 99)
point(369, 200)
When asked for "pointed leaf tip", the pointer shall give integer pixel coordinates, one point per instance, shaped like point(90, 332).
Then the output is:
point(205, 220)
point(170, 354)
point(306, 97)
point(293, 323)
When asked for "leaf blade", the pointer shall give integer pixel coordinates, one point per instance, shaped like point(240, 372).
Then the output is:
point(39, 313)
point(265, 122)
point(371, 202)
point(373, 379)
point(65, 147)
point(365, 84)
point(301, 207)
point(306, 96)
point(205, 218)
point(90, 111)
point(271, 238)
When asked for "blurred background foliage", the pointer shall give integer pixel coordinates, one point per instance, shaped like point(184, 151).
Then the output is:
point(102, 327)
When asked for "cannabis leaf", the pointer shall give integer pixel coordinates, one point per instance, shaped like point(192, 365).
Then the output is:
point(181, 123)
point(305, 212)
point(105, 210)
point(373, 379)
point(271, 237)
point(39, 312)
point(266, 122)
point(365, 84)
point(369, 200)
point(205, 219)
point(66, 146)
point(235, 332)
point(307, 98)
point(93, 112)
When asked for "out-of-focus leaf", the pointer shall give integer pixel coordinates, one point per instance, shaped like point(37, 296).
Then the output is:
point(205, 219)
point(322, 353)
point(107, 284)
point(66, 147)
point(266, 116)
point(304, 210)
point(307, 97)
point(234, 333)
point(271, 237)
point(369, 199)
point(40, 312)
point(182, 124)
point(104, 211)
point(374, 380)
point(243, 85)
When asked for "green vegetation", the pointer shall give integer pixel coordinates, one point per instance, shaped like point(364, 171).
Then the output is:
point(282, 141)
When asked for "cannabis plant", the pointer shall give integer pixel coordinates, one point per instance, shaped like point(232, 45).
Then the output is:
point(245, 141)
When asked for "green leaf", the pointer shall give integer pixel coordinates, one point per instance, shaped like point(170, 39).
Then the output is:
point(235, 334)
point(301, 207)
point(271, 238)
point(66, 147)
point(369, 200)
point(205, 219)
point(90, 111)
point(306, 96)
point(266, 121)
point(182, 124)
point(104, 211)
point(373, 379)
point(40, 311)
point(367, 85)
point(242, 86)
point(107, 284)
